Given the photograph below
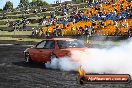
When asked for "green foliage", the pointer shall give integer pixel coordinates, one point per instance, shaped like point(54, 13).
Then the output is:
point(8, 5)
point(38, 3)
point(79, 1)
point(1, 10)
point(24, 3)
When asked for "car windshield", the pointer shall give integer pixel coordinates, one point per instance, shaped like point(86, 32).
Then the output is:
point(70, 44)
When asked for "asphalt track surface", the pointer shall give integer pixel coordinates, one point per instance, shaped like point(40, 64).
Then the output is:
point(14, 73)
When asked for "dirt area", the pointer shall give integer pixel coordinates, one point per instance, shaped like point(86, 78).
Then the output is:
point(14, 73)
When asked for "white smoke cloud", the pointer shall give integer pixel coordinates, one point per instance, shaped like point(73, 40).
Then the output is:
point(64, 64)
point(117, 60)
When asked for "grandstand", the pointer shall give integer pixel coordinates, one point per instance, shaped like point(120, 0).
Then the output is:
point(108, 19)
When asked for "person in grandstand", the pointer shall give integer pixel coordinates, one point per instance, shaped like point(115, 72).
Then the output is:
point(48, 32)
point(86, 32)
point(130, 32)
point(90, 30)
point(73, 30)
point(58, 31)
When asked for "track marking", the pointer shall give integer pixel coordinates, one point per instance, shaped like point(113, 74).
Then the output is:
point(14, 45)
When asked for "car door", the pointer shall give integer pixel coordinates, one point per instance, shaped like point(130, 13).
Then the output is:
point(47, 50)
point(61, 50)
point(42, 51)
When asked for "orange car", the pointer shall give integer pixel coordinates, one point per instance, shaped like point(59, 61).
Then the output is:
point(48, 49)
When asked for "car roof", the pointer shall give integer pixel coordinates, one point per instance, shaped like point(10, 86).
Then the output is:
point(61, 39)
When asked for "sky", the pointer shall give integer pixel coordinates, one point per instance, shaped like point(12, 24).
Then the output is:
point(16, 2)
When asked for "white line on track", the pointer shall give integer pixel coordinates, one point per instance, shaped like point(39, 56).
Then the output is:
point(6, 44)
point(14, 44)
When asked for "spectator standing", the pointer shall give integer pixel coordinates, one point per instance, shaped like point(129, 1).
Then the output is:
point(117, 32)
point(58, 31)
point(90, 30)
point(73, 29)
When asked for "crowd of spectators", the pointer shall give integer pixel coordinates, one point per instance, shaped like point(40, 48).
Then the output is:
point(117, 13)
point(97, 16)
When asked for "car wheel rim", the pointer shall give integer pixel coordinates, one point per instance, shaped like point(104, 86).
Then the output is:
point(27, 57)
point(52, 57)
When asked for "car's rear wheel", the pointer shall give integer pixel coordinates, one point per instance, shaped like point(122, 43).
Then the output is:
point(28, 58)
point(80, 80)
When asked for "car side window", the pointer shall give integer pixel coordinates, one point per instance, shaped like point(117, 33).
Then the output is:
point(70, 44)
point(50, 44)
point(61, 44)
point(41, 44)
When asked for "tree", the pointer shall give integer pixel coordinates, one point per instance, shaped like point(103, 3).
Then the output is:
point(38, 3)
point(79, 1)
point(8, 5)
point(24, 3)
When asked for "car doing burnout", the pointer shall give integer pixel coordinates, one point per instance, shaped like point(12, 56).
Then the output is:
point(48, 49)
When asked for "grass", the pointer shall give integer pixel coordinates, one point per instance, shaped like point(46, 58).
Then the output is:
point(33, 25)
point(30, 32)
point(38, 40)
point(21, 39)
point(10, 19)
point(16, 33)
point(46, 12)
point(30, 25)
point(34, 17)
point(13, 12)
point(3, 26)
point(15, 15)
point(6, 26)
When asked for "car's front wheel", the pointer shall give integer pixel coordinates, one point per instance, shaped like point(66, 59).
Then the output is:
point(49, 63)
point(28, 58)
point(52, 56)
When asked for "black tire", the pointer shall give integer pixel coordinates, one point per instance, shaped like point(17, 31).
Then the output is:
point(52, 56)
point(43, 63)
point(48, 63)
point(80, 80)
point(28, 58)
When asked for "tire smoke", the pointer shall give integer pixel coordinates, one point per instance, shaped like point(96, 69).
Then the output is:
point(116, 60)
